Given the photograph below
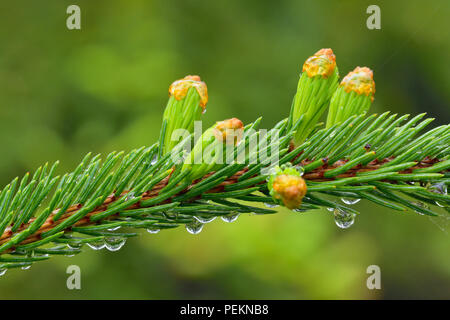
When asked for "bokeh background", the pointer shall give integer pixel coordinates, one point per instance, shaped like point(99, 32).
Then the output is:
point(64, 93)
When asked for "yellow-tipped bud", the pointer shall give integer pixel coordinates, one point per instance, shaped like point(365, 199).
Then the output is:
point(184, 107)
point(290, 190)
point(353, 97)
point(361, 81)
point(233, 127)
point(287, 186)
point(214, 149)
point(317, 83)
point(179, 89)
point(322, 63)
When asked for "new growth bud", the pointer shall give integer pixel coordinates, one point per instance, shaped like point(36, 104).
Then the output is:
point(360, 81)
point(187, 101)
point(287, 187)
point(317, 83)
point(180, 88)
point(214, 148)
point(229, 131)
point(322, 63)
point(353, 97)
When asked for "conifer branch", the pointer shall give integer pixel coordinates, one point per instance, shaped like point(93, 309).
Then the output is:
point(387, 159)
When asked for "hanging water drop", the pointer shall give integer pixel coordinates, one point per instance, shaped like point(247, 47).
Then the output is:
point(194, 227)
point(439, 204)
point(74, 245)
point(420, 204)
point(330, 209)
point(230, 217)
point(114, 243)
point(114, 229)
point(26, 267)
point(350, 201)
point(153, 230)
point(439, 188)
point(97, 245)
point(270, 205)
point(204, 220)
point(2, 272)
point(343, 218)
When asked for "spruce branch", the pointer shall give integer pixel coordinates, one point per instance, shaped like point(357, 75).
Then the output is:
point(386, 159)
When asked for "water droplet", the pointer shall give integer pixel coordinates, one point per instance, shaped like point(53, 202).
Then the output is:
point(270, 205)
point(26, 267)
point(97, 245)
point(298, 210)
point(114, 243)
point(330, 209)
point(300, 169)
point(153, 230)
point(194, 227)
point(230, 217)
point(204, 220)
point(114, 229)
point(74, 245)
point(2, 272)
point(421, 205)
point(155, 158)
point(350, 201)
point(343, 218)
point(130, 196)
point(439, 188)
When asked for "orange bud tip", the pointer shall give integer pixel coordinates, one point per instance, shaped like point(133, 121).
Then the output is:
point(290, 189)
point(360, 81)
point(179, 89)
point(322, 63)
point(230, 128)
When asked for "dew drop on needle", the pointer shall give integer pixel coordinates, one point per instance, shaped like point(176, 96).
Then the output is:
point(153, 230)
point(343, 219)
point(114, 243)
point(350, 201)
point(230, 217)
point(194, 227)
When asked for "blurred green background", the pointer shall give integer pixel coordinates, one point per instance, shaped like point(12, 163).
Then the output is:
point(104, 87)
